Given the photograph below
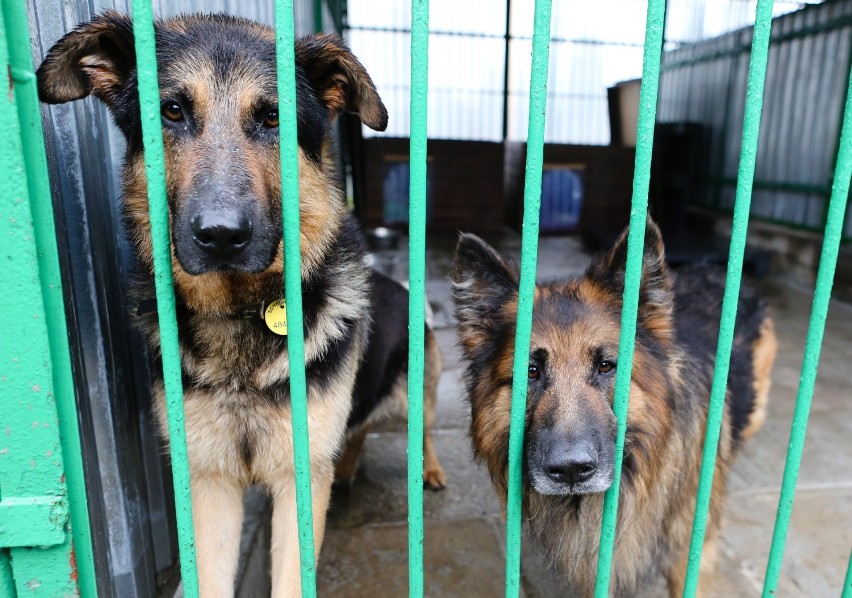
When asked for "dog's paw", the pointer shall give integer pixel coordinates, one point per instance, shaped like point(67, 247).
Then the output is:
point(434, 479)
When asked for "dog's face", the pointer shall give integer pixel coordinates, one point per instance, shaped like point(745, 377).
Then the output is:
point(219, 114)
point(570, 425)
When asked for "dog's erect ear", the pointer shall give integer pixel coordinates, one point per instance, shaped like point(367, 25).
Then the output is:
point(340, 81)
point(96, 58)
point(482, 284)
point(656, 297)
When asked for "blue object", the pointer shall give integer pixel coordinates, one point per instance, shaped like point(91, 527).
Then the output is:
point(561, 199)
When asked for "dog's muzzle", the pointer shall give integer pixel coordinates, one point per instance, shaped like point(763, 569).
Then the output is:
point(570, 464)
point(558, 465)
point(222, 234)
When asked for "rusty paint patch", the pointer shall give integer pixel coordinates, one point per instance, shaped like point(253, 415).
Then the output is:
point(72, 561)
point(11, 84)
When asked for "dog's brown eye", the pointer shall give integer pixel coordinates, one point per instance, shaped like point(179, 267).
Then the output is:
point(606, 367)
point(172, 111)
point(271, 119)
point(533, 373)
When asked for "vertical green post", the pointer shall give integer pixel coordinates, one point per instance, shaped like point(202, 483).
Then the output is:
point(847, 583)
point(318, 24)
point(155, 169)
point(742, 205)
point(810, 363)
point(289, 149)
point(654, 26)
point(35, 160)
point(526, 291)
point(417, 288)
point(7, 580)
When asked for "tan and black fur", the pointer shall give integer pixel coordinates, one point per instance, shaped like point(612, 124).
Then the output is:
point(217, 80)
point(570, 425)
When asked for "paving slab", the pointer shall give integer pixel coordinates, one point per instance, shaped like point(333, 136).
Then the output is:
point(379, 493)
point(463, 559)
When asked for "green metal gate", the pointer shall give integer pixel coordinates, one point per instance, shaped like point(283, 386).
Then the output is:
point(43, 552)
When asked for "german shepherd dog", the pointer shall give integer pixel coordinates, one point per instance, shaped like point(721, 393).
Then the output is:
point(219, 110)
point(570, 426)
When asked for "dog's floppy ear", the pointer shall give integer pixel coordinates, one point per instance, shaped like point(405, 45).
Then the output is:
point(340, 81)
point(482, 284)
point(656, 297)
point(96, 58)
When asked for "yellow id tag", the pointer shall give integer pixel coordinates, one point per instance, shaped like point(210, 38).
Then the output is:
point(275, 316)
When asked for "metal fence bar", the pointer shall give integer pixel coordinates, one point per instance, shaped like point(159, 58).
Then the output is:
point(152, 136)
point(654, 27)
point(35, 162)
point(417, 289)
point(7, 580)
point(810, 362)
point(289, 149)
point(526, 289)
point(317, 9)
point(742, 205)
point(847, 583)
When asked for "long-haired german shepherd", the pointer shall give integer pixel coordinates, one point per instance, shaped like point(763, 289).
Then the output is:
point(219, 110)
point(570, 425)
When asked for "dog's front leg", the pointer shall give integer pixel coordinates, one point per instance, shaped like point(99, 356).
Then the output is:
point(286, 579)
point(217, 515)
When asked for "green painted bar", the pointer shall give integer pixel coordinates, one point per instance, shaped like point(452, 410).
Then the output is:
point(318, 25)
point(284, 42)
point(742, 205)
point(810, 362)
point(7, 581)
point(417, 288)
point(847, 583)
point(152, 136)
point(35, 160)
point(526, 290)
point(654, 27)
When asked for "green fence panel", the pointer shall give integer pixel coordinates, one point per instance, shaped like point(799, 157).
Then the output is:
point(847, 584)
point(35, 161)
point(526, 289)
point(152, 136)
point(742, 205)
point(36, 546)
point(810, 362)
point(284, 41)
point(654, 26)
point(417, 289)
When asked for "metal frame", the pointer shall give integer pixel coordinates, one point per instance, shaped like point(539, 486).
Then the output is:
point(24, 176)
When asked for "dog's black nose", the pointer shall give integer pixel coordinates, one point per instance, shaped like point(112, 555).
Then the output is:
point(570, 464)
point(222, 234)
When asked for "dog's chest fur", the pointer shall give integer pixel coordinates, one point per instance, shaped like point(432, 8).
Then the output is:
point(236, 374)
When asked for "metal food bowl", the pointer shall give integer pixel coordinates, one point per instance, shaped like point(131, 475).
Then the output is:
point(382, 238)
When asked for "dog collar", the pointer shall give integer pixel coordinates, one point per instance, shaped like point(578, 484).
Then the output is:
point(273, 314)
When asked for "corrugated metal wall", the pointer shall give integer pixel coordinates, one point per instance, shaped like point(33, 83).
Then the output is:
point(806, 81)
point(129, 490)
point(593, 46)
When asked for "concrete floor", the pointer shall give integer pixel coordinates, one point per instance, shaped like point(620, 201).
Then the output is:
point(365, 550)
